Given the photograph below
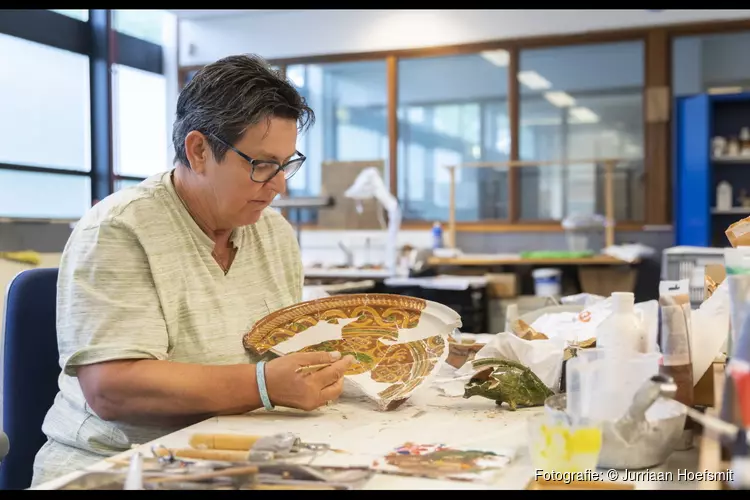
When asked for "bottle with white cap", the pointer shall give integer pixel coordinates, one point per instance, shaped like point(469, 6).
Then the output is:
point(622, 329)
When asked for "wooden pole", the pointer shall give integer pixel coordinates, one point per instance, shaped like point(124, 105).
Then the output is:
point(451, 243)
point(609, 202)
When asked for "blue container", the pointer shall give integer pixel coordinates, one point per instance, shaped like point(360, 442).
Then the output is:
point(437, 235)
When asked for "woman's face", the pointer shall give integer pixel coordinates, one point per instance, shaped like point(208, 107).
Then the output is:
point(238, 199)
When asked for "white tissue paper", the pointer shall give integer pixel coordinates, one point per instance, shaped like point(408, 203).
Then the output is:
point(581, 299)
point(710, 330)
point(313, 292)
point(577, 327)
point(543, 357)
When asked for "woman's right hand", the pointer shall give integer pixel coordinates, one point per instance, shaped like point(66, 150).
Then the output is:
point(306, 391)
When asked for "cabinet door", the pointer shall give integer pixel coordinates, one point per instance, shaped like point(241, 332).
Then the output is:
point(692, 211)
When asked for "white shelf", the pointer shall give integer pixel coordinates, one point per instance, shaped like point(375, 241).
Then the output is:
point(347, 273)
point(733, 210)
point(732, 159)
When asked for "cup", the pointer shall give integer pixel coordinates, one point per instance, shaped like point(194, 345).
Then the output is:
point(556, 445)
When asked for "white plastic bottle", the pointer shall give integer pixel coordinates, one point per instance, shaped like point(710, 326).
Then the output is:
point(622, 330)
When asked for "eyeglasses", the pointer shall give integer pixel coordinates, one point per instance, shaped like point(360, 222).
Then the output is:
point(265, 170)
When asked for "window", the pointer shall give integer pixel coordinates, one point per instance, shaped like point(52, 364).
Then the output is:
point(702, 63)
point(144, 24)
point(581, 102)
point(45, 106)
point(43, 196)
point(349, 100)
point(80, 14)
point(141, 135)
point(125, 183)
point(453, 110)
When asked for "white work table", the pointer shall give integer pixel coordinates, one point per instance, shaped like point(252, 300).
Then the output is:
point(356, 426)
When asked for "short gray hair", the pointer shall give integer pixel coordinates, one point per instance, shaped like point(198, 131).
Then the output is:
point(226, 97)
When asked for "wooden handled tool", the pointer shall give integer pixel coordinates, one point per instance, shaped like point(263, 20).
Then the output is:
point(238, 442)
point(214, 455)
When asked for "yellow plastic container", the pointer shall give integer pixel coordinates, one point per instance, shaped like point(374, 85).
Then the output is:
point(559, 447)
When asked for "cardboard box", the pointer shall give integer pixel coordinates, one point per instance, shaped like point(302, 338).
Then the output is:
point(502, 285)
point(602, 281)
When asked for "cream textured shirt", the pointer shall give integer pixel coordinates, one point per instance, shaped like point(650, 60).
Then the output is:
point(137, 281)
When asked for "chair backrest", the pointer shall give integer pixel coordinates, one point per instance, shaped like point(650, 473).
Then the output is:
point(30, 370)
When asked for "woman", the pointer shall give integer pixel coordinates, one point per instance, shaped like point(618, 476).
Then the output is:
point(158, 283)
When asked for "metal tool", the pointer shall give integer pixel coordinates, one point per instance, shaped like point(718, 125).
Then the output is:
point(134, 478)
point(651, 390)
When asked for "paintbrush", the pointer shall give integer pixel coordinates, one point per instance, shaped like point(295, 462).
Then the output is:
point(311, 368)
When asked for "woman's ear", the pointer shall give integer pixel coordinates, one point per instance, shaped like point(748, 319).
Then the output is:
point(197, 151)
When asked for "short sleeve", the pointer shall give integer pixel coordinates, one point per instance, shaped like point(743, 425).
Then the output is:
point(107, 307)
point(299, 271)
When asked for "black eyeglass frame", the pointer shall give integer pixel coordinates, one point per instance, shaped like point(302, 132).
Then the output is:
point(300, 160)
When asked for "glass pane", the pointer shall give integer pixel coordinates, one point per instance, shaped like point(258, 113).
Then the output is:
point(123, 183)
point(700, 63)
point(43, 196)
point(48, 102)
point(349, 100)
point(144, 24)
point(453, 110)
point(80, 14)
point(140, 122)
point(579, 104)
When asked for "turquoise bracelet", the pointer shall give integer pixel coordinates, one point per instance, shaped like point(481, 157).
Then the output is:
point(260, 375)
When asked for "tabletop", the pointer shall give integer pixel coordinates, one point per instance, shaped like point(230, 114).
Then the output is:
point(504, 260)
point(356, 426)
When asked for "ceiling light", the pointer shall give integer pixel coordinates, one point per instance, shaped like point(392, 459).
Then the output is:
point(533, 80)
point(724, 90)
point(583, 115)
point(559, 99)
point(498, 57)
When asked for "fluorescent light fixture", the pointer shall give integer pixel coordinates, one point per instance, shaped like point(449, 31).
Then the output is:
point(541, 121)
point(583, 115)
point(559, 99)
point(533, 80)
point(724, 90)
point(476, 152)
point(498, 57)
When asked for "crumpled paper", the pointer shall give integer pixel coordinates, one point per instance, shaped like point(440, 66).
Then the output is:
point(710, 330)
point(577, 327)
point(543, 357)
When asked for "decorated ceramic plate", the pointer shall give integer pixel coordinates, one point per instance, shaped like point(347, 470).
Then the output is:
point(399, 342)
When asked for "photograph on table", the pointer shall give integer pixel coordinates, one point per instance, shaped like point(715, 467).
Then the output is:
point(438, 461)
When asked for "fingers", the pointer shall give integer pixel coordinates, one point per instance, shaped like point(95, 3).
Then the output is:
point(332, 374)
point(333, 391)
point(316, 358)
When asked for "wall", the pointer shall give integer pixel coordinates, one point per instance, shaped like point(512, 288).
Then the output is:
point(291, 34)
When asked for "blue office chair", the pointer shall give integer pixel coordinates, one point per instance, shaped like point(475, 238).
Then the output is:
point(30, 370)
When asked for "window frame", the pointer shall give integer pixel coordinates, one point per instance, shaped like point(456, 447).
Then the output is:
point(104, 46)
point(657, 41)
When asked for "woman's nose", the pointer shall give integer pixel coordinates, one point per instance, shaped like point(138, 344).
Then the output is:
point(278, 183)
